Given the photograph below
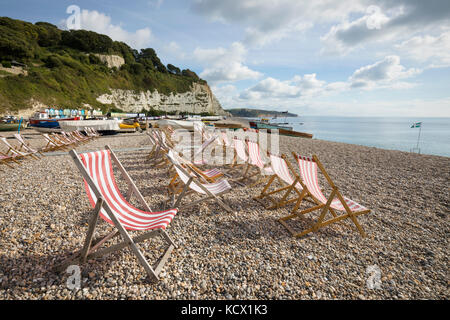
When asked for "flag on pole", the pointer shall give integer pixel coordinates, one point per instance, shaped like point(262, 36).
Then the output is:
point(416, 125)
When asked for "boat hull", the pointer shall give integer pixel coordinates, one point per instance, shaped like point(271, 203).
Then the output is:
point(262, 125)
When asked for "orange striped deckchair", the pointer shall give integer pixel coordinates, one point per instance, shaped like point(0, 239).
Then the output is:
point(109, 204)
point(335, 201)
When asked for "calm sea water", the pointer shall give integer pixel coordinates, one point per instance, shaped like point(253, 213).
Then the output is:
point(386, 133)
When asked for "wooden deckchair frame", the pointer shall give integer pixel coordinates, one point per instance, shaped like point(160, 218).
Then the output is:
point(91, 248)
point(285, 188)
point(52, 145)
point(324, 207)
point(183, 192)
point(16, 153)
point(26, 146)
point(7, 159)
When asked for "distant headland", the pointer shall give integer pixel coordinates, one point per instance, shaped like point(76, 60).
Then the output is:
point(258, 113)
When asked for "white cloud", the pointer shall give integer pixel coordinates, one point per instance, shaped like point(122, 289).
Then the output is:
point(385, 22)
point(266, 21)
point(434, 50)
point(225, 65)
point(101, 23)
point(173, 50)
point(387, 74)
point(272, 88)
point(383, 73)
point(155, 3)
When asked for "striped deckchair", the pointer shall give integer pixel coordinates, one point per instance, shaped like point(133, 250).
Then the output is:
point(109, 203)
point(6, 160)
point(68, 138)
point(52, 144)
point(15, 152)
point(212, 191)
point(91, 132)
point(59, 138)
point(282, 173)
point(335, 202)
point(262, 170)
point(26, 147)
point(208, 175)
point(197, 151)
point(83, 138)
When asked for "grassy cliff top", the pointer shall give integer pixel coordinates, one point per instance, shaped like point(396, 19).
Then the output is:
point(63, 70)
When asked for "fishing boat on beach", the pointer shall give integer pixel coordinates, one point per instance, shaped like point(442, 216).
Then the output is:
point(43, 120)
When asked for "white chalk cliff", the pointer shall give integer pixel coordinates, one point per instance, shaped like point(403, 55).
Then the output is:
point(199, 99)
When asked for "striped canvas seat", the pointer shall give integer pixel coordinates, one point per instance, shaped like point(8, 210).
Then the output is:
point(23, 144)
point(189, 179)
point(255, 158)
point(333, 209)
point(215, 188)
point(308, 171)
point(109, 204)
point(239, 146)
point(13, 152)
point(98, 165)
point(212, 172)
point(281, 169)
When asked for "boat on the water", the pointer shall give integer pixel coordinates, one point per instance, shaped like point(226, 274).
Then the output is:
point(265, 124)
point(282, 130)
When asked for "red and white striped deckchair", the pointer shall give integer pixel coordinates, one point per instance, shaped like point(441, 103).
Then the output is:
point(282, 172)
point(66, 137)
point(196, 152)
point(208, 175)
point(61, 140)
point(14, 152)
point(52, 144)
point(109, 204)
point(26, 146)
point(263, 170)
point(6, 159)
point(78, 135)
point(308, 170)
point(91, 132)
point(191, 181)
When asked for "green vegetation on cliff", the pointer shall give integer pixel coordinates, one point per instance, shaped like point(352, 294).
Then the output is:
point(258, 113)
point(63, 70)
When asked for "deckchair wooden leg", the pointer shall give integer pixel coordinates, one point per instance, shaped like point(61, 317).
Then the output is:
point(262, 194)
point(183, 192)
point(324, 210)
point(351, 214)
point(90, 233)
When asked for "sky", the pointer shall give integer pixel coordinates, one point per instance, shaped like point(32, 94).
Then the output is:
point(386, 58)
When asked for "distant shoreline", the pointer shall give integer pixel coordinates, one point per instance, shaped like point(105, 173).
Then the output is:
point(258, 113)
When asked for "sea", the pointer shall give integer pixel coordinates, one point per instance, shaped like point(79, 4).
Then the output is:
point(382, 132)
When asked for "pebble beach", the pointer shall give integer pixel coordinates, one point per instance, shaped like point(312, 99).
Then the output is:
point(246, 254)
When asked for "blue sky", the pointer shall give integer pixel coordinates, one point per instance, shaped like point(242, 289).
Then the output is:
point(322, 57)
